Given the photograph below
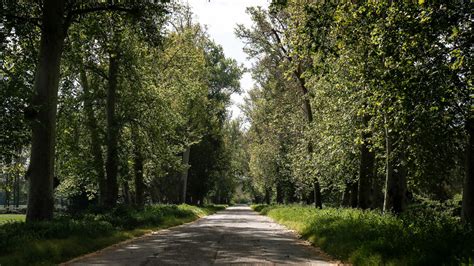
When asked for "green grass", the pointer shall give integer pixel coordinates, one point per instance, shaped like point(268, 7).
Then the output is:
point(419, 237)
point(66, 237)
point(6, 218)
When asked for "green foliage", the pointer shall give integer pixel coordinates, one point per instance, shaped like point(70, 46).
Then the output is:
point(7, 218)
point(173, 91)
point(260, 208)
point(421, 236)
point(70, 236)
point(333, 79)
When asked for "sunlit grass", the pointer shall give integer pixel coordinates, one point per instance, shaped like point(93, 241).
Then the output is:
point(5, 218)
point(371, 238)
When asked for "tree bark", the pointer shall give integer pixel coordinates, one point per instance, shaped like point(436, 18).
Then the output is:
point(184, 174)
point(366, 170)
point(138, 168)
point(96, 145)
point(112, 133)
point(468, 188)
point(41, 169)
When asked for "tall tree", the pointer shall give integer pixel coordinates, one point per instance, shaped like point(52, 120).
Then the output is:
point(55, 18)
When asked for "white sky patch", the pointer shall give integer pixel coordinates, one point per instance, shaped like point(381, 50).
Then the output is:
point(221, 17)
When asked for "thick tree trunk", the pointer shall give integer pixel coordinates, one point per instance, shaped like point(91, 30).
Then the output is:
point(112, 133)
point(468, 189)
point(184, 174)
point(366, 170)
point(41, 169)
point(138, 169)
point(96, 145)
point(395, 183)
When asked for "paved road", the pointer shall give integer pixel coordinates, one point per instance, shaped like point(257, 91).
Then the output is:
point(237, 235)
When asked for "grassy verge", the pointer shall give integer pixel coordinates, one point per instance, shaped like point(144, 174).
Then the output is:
point(66, 237)
point(6, 218)
point(419, 237)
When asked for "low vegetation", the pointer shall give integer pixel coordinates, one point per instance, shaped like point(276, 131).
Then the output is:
point(5, 218)
point(68, 236)
point(421, 236)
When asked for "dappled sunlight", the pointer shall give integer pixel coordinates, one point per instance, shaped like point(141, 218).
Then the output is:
point(236, 235)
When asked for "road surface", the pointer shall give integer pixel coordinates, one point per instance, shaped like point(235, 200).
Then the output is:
point(237, 235)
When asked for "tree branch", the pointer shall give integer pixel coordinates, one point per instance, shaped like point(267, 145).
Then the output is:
point(82, 11)
point(32, 20)
point(102, 8)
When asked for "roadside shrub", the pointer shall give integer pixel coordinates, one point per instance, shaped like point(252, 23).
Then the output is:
point(418, 237)
point(68, 236)
point(260, 208)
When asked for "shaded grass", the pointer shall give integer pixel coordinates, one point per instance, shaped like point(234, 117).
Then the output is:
point(5, 218)
point(418, 237)
point(66, 237)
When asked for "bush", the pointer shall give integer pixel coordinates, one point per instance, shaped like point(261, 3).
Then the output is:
point(418, 237)
point(260, 208)
point(68, 236)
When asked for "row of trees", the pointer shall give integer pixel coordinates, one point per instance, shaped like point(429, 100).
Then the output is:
point(364, 104)
point(126, 102)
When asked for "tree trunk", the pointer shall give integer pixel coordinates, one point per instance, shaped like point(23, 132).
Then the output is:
point(345, 201)
point(41, 169)
point(366, 170)
point(112, 133)
point(468, 188)
point(6, 203)
point(96, 145)
point(138, 168)
point(218, 197)
point(377, 194)
point(279, 192)
point(318, 203)
point(268, 198)
point(16, 190)
point(354, 194)
point(184, 174)
point(126, 193)
point(395, 183)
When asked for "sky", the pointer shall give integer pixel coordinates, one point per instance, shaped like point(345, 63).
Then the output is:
point(221, 18)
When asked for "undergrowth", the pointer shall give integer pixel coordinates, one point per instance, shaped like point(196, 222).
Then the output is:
point(68, 236)
point(421, 236)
